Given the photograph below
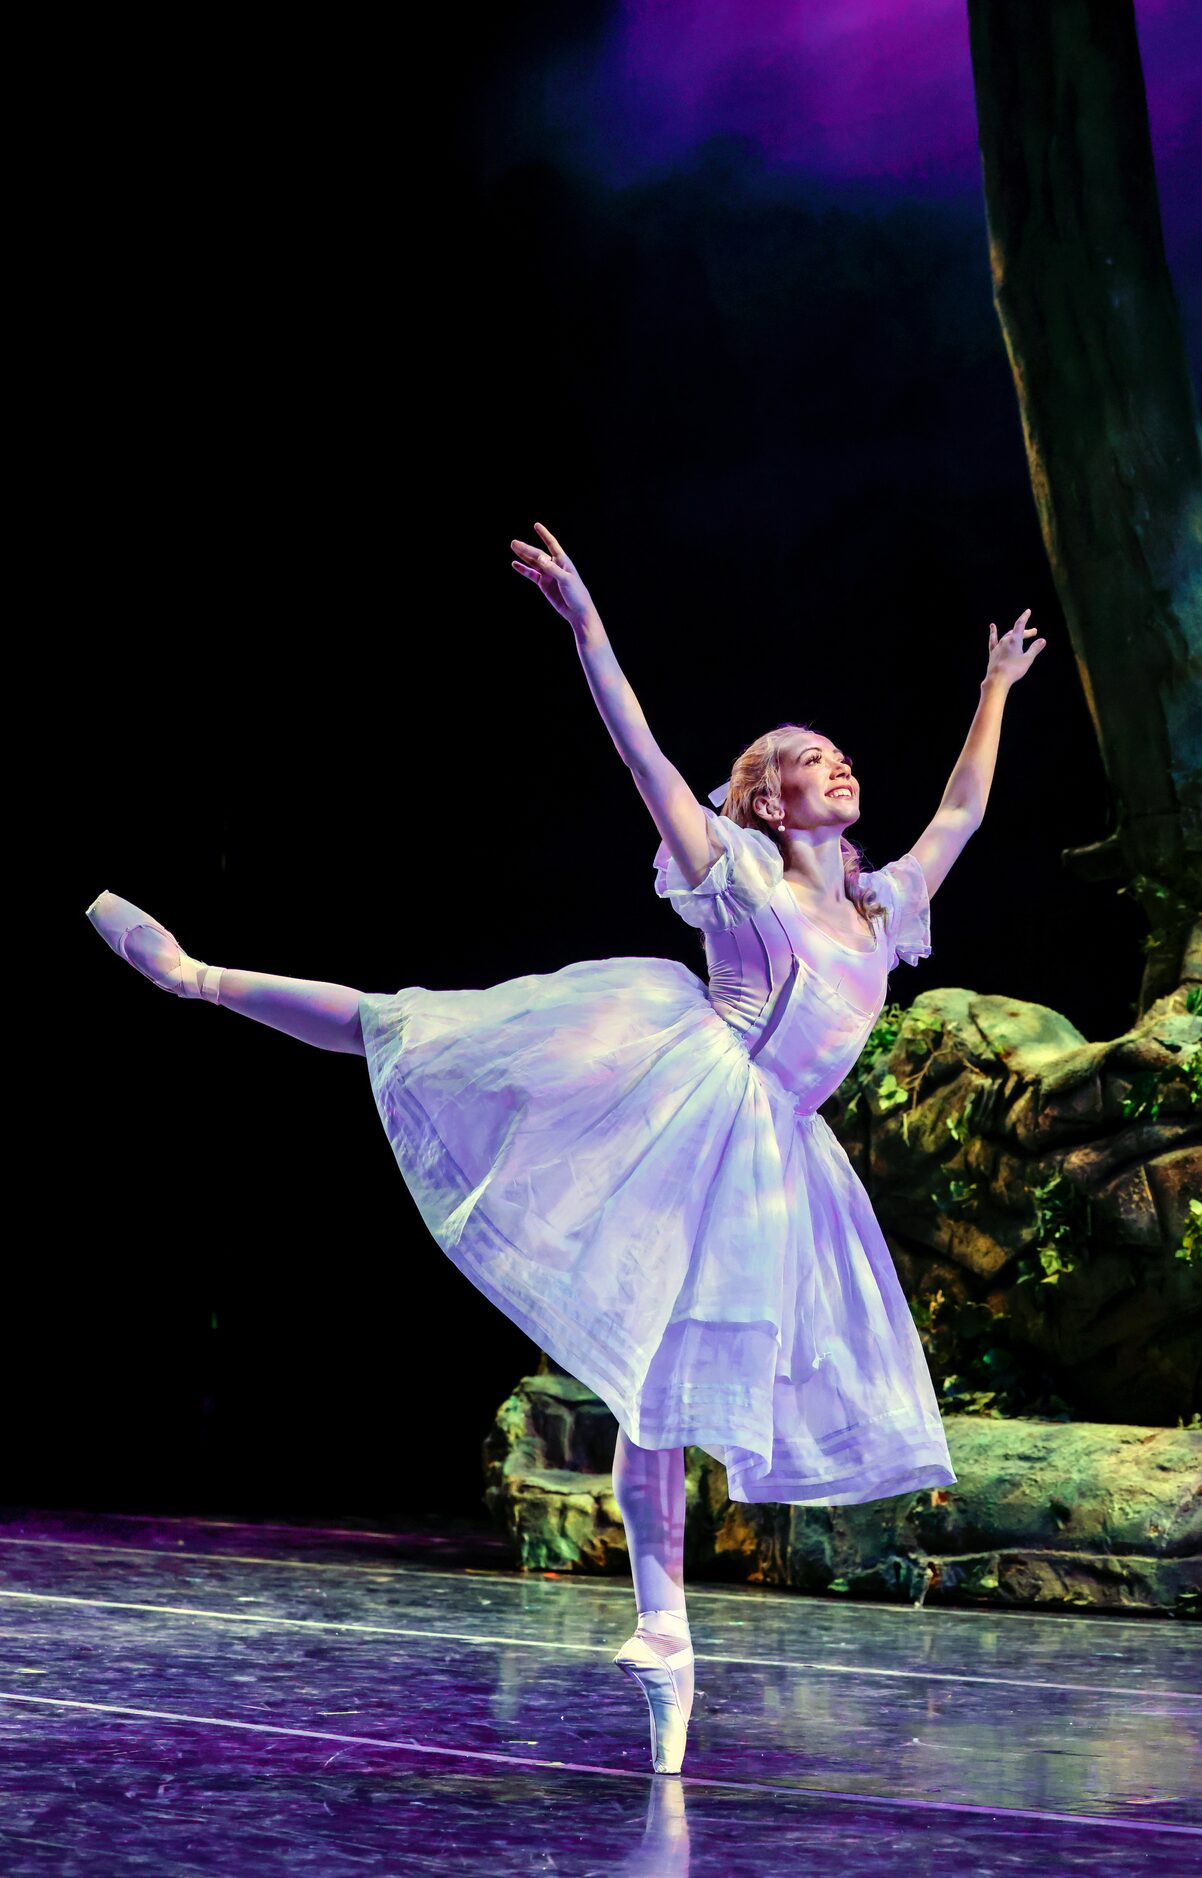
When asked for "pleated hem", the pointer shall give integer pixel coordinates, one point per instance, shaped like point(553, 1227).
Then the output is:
point(885, 1480)
point(731, 1423)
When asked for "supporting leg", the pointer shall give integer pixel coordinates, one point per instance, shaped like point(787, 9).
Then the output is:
point(649, 1489)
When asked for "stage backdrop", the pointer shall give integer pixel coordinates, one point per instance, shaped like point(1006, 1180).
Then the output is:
point(711, 302)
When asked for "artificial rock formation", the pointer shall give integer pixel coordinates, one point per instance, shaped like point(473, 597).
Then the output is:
point(1043, 1513)
point(1035, 1190)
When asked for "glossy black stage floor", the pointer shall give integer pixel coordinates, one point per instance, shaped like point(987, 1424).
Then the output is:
point(184, 1695)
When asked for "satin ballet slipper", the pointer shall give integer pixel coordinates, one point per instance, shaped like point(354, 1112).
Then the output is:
point(115, 919)
point(655, 1676)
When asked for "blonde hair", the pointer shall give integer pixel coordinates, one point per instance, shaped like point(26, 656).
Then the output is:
point(756, 772)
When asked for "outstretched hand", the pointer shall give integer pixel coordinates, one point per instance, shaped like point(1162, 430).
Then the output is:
point(553, 574)
point(1008, 658)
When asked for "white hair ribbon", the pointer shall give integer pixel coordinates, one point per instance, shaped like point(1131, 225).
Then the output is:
point(719, 795)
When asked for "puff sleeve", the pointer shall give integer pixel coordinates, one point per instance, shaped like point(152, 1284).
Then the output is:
point(902, 889)
point(741, 881)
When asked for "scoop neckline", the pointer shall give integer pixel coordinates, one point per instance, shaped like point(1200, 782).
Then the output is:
point(861, 952)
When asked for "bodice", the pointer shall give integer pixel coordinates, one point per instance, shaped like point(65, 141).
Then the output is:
point(802, 1002)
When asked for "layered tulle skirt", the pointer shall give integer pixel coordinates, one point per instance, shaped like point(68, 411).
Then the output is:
point(596, 1150)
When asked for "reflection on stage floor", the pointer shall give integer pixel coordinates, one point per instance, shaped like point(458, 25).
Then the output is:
point(200, 1695)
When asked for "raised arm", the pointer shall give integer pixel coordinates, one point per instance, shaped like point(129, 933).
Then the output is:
point(675, 810)
point(963, 806)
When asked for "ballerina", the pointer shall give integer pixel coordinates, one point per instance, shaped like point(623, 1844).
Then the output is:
point(630, 1162)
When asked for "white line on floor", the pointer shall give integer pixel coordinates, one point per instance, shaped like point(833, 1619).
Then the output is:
point(548, 1643)
point(1100, 1821)
point(611, 1586)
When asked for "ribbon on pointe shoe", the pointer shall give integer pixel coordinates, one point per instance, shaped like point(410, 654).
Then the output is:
point(115, 919)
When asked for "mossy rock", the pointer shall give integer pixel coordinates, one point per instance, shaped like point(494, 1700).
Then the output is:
point(1043, 1514)
point(1053, 1175)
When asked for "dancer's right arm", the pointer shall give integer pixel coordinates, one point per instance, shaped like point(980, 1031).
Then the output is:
point(675, 810)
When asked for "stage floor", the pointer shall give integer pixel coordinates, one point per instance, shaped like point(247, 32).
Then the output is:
point(202, 1695)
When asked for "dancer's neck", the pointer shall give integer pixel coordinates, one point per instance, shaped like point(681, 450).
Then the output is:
point(815, 862)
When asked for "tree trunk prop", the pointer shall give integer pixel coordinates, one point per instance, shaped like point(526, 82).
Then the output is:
point(1110, 421)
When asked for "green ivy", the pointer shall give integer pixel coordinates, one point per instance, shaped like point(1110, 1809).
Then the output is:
point(1063, 1224)
point(881, 1039)
point(968, 1346)
point(885, 1032)
point(922, 1033)
point(1190, 1248)
point(1149, 1086)
point(1174, 912)
point(957, 1124)
point(889, 1093)
point(957, 1196)
point(965, 1400)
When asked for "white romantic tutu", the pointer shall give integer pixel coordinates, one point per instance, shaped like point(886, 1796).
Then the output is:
point(605, 1158)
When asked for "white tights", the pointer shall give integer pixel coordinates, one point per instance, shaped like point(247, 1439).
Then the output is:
point(324, 1015)
point(312, 1011)
point(649, 1489)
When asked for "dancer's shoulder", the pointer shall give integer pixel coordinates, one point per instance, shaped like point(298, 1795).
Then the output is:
point(746, 871)
point(901, 888)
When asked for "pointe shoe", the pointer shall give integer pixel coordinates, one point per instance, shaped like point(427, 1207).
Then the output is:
point(115, 918)
point(655, 1676)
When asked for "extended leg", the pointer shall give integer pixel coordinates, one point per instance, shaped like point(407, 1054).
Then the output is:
point(323, 1014)
point(310, 1009)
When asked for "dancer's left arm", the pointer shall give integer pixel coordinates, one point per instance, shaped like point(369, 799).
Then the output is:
point(963, 805)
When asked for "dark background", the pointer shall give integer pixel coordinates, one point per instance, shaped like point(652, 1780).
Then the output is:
point(325, 323)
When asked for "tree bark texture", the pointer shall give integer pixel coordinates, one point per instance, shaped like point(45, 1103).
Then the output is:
point(1110, 420)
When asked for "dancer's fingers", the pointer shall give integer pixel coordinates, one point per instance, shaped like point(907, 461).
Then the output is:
point(537, 573)
point(537, 558)
point(543, 564)
point(550, 540)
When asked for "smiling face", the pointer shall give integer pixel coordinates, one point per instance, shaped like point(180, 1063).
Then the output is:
point(817, 784)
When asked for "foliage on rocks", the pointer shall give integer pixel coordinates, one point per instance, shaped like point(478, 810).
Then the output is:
point(1039, 1194)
